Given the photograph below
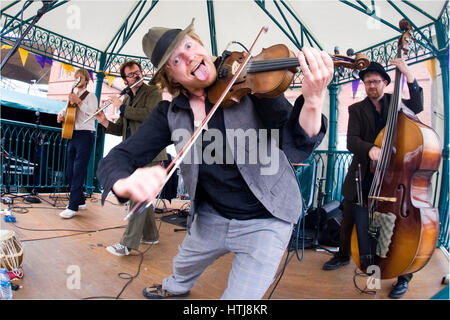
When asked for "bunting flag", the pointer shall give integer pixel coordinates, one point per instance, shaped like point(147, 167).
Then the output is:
point(6, 46)
point(68, 68)
point(43, 60)
point(23, 56)
point(355, 85)
point(431, 66)
point(91, 75)
point(110, 78)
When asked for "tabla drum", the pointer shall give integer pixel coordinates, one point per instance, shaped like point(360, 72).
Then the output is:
point(11, 253)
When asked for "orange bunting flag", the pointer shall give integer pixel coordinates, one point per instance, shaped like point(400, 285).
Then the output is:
point(23, 56)
point(68, 68)
point(110, 78)
point(431, 66)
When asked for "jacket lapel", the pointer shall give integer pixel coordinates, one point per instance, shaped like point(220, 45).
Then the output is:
point(139, 96)
point(367, 112)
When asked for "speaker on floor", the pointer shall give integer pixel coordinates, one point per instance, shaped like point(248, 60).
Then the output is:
point(330, 224)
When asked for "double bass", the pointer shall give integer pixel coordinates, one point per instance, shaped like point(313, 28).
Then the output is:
point(401, 188)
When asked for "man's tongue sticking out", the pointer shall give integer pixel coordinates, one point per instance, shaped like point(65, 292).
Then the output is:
point(201, 73)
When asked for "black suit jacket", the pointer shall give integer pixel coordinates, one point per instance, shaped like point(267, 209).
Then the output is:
point(361, 133)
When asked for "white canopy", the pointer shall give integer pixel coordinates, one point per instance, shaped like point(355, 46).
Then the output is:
point(330, 22)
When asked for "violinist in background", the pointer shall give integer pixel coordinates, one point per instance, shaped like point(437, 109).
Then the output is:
point(245, 205)
point(366, 119)
point(139, 103)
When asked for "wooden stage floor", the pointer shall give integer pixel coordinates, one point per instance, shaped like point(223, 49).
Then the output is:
point(67, 259)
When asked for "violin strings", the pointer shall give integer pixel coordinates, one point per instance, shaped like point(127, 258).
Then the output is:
point(272, 64)
point(281, 63)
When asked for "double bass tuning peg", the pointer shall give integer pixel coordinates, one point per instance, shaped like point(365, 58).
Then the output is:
point(336, 50)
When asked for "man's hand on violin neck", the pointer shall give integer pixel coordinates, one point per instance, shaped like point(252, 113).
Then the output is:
point(318, 70)
point(143, 185)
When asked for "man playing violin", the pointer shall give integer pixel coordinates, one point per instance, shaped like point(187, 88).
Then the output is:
point(366, 119)
point(238, 204)
point(141, 100)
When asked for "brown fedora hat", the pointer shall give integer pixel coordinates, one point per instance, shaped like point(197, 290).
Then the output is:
point(159, 43)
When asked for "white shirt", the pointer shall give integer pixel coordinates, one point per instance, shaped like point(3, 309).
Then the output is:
point(87, 109)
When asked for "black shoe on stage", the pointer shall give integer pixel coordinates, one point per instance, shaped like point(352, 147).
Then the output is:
point(399, 288)
point(336, 262)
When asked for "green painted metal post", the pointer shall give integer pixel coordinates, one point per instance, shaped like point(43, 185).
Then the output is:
point(212, 27)
point(100, 136)
point(333, 89)
point(443, 57)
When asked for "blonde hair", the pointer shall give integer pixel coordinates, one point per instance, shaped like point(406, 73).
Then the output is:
point(163, 79)
point(84, 73)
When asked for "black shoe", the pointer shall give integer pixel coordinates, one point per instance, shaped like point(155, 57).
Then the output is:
point(336, 262)
point(157, 292)
point(399, 289)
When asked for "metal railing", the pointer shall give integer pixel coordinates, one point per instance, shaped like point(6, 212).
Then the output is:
point(32, 158)
point(315, 167)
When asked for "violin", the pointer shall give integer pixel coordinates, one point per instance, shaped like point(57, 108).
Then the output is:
point(267, 74)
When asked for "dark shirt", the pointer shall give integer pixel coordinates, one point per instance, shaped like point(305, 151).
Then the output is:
point(379, 121)
point(221, 183)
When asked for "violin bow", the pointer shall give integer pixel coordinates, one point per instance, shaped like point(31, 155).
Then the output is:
point(175, 163)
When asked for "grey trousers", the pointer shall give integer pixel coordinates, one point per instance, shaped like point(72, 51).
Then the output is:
point(140, 227)
point(258, 246)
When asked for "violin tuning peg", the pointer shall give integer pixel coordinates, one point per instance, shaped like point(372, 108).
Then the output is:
point(336, 50)
point(350, 52)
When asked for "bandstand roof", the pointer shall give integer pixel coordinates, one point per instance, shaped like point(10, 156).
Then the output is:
point(79, 31)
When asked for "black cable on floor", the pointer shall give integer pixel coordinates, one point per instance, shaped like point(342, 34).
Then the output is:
point(125, 276)
point(363, 291)
point(78, 232)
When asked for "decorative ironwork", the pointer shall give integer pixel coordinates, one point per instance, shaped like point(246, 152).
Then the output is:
point(147, 67)
point(444, 21)
point(44, 42)
point(386, 51)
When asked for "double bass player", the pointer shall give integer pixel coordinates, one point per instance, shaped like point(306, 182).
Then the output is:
point(366, 119)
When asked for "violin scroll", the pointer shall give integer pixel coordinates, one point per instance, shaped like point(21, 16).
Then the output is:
point(359, 62)
point(341, 62)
